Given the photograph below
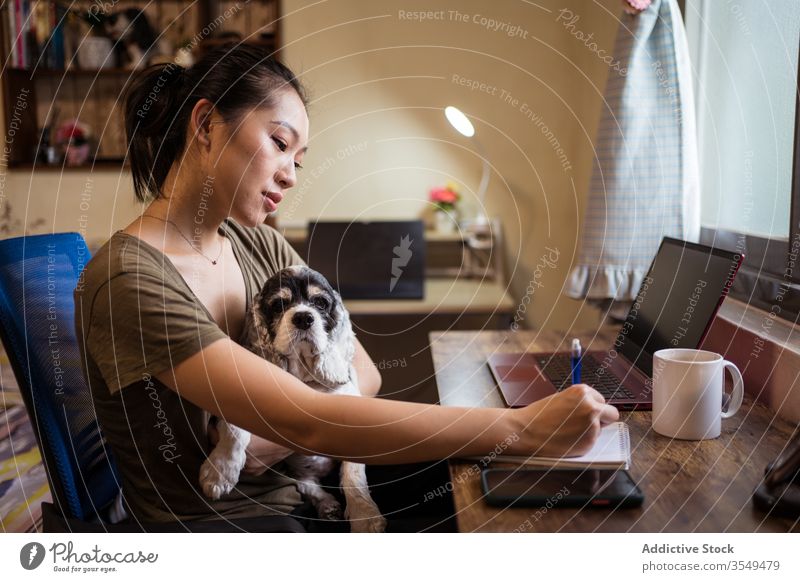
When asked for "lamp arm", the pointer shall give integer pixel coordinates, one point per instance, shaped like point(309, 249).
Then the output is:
point(484, 178)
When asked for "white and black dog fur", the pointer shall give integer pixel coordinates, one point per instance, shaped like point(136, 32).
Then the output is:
point(299, 323)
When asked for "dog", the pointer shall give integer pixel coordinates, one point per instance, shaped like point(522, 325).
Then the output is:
point(299, 323)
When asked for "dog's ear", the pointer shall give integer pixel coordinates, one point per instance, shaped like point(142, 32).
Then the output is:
point(258, 339)
point(334, 364)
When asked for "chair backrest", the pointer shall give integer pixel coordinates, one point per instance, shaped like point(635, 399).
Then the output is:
point(38, 275)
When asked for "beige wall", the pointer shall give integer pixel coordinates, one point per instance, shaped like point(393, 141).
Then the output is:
point(379, 140)
point(376, 80)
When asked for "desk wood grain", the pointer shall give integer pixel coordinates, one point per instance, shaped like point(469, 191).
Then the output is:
point(689, 486)
point(452, 296)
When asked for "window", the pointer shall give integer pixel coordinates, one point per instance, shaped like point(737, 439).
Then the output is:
point(745, 57)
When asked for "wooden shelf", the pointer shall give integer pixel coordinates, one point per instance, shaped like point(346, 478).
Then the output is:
point(41, 71)
point(101, 164)
point(264, 39)
point(30, 95)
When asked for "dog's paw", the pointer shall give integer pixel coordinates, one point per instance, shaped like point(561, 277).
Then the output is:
point(218, 476)
point(329, 509)
point(374, 524)
point(365, 517)
point(213, 482)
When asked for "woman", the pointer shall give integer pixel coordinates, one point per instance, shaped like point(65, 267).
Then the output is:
point(161, 305)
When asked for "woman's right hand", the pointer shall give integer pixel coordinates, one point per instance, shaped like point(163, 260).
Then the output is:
point(564, 424)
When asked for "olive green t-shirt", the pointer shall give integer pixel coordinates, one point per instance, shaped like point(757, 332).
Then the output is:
point(136, 317)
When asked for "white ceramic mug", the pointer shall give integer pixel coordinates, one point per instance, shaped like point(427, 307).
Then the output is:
point(687, 393)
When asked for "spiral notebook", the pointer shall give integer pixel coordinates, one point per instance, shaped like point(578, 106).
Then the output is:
point(612, 450)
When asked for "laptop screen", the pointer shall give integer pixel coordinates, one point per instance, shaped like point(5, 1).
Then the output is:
point(370, 260)
point(676, 301)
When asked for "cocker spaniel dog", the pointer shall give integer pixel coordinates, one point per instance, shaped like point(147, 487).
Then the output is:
point(299, 323)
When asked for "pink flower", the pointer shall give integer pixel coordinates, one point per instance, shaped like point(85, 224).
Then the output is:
point(445, 198)
point(443, 195)
point(71, 131)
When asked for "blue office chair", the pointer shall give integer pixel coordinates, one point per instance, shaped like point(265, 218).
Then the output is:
point(38, 275)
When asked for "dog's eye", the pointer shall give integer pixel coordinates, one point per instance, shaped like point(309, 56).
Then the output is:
point(276, 305)
point(320, 303)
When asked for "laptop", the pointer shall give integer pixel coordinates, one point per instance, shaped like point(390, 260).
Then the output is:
point(370, 260)
point(676, 303)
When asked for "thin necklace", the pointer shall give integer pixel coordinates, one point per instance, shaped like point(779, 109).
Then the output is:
point(213, 261)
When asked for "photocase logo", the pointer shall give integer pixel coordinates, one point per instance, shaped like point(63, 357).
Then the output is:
point(31, 555)
point(402, 254)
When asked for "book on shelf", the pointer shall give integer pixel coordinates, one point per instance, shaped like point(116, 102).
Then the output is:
point(34, 34)
point(611, 450)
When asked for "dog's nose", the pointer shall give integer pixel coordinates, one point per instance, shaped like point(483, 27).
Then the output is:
point(302, 319)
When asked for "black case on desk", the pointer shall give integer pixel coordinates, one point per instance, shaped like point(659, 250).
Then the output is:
point(779, 492)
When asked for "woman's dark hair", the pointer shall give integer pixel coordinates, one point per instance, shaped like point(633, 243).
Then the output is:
point(160, 99)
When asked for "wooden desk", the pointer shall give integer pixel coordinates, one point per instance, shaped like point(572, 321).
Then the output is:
point(443, 296)
point(702, 486)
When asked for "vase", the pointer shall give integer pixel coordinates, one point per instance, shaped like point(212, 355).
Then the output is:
point(96, 52)
point(446, 221)
point(76, 155)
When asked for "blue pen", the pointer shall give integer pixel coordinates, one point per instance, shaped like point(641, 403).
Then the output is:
point(576, 361)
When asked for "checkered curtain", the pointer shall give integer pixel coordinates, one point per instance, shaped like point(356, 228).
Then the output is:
point(645, 178)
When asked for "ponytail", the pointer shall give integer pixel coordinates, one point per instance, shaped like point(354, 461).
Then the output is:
point(153, 126)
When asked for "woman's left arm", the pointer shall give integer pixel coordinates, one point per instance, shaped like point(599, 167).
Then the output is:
point(369, 378)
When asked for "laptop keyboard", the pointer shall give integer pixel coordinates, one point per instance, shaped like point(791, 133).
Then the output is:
point(558, 369)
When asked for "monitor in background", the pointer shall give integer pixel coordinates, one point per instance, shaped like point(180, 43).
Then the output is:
point(370, 260)
point(677, 300)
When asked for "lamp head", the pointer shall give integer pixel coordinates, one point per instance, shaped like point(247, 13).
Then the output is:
point(459, 121)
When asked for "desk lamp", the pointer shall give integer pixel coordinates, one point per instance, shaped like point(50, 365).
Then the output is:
point(464, 126)
point(478, 234)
